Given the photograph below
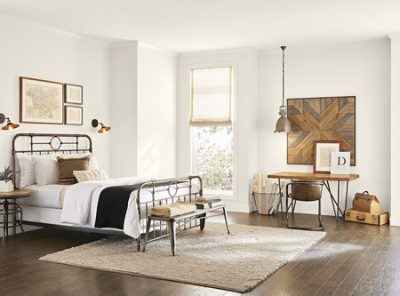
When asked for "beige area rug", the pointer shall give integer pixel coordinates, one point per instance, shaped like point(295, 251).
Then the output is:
point(237, 262)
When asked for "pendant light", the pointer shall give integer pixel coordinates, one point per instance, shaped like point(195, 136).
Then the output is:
point(283, 123)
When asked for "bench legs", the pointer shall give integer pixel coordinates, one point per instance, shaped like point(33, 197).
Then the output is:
point(147, 233)
point(202, 221)
point(172, 236)
point(172, 230)
point(226, 220)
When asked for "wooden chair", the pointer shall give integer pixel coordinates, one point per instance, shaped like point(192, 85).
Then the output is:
point(305, 191)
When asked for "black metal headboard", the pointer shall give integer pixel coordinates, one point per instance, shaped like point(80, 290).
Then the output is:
point(40, 144)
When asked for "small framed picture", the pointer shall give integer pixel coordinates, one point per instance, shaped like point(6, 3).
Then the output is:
point(322, 155)
point(340, 163)
point(73, 115)
point(73, 94)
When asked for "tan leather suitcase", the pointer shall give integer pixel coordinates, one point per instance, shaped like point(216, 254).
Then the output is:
point(366, 218)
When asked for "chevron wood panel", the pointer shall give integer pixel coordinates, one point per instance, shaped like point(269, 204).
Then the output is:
point(320, 119)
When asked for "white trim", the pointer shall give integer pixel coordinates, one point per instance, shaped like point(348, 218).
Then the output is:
point(237, 208)
point(217, 51)
point(159, 50)
point(124, 44)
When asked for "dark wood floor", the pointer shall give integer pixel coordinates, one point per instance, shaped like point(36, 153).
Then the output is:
point(352, 259)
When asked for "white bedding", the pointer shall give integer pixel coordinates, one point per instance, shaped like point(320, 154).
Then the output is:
point(46, 196)
point(80, 203)
point(76, 204)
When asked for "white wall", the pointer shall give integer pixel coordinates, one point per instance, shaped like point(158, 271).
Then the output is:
point(244, 62)
point(143, 110)
point(360, 69)
point(156, 115)
point(123, 108)
point(395, 124)
point(35, 51)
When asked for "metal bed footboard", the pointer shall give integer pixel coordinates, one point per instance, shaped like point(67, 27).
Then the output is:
point(185, 189)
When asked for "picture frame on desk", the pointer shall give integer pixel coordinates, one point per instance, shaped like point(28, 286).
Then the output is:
point(322, 155)
point(340, 163)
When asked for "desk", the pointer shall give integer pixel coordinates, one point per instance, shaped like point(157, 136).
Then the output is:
point(325, 178)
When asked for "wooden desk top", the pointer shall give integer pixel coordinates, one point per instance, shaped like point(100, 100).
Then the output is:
point(18, 193)
point(313, 176)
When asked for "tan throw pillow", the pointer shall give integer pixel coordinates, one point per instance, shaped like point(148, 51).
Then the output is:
point(90, 175)
point(67, 166)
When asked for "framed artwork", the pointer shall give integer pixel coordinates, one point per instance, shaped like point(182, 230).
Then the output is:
point(322, 155)
point(73, 115)
point(340, 163)
point(314, 119)
point(41, 101)
point(73, 94)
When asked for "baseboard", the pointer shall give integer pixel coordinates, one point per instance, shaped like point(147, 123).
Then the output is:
point(237, 208)
point(394, 222)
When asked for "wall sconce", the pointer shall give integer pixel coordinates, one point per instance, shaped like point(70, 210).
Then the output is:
point(9, 126)
point(103, 129)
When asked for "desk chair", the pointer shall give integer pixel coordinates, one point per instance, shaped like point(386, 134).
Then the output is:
point(305, 191)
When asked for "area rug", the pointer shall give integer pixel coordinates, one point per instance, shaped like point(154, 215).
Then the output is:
point(236, 262)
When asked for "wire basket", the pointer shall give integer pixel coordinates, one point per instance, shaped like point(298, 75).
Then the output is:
point(267, 203)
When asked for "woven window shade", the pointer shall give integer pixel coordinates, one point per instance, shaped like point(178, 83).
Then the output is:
point(211, 97)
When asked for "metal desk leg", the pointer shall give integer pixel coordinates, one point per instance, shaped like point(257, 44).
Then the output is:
point(172, 236)
point(334, 202)
point(4, 223)
point(280, 195)
point(338, 199)
point(347, 194)
point(327, 186)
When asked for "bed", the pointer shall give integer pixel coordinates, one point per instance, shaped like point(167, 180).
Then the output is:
point(75, 207)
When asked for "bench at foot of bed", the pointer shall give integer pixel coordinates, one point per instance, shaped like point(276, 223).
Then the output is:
point(199, 214)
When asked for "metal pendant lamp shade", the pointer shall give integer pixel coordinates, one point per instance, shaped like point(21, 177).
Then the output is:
point(283, 123)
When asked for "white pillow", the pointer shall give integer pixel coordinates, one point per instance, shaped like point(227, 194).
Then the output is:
point(90, 175)
point(46, 170)
point(26, 170)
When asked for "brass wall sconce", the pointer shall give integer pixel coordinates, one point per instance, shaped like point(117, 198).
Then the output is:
point(103, 129)
point(9, 125)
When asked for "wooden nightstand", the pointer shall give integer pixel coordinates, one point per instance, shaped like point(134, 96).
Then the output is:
point(8, 201)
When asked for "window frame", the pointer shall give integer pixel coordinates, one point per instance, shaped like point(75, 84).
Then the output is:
point(192, 139)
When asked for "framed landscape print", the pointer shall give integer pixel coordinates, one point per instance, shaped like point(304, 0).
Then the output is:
point(73, 94)
point(41, 101)
point(73, 115)
point(312, 119)
point(322, 155)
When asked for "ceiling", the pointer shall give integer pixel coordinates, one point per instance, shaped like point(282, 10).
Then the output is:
point(194, 25)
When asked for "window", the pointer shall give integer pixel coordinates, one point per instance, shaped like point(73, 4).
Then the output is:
point(211, 129)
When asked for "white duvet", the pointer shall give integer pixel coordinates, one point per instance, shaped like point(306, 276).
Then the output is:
point(80, 203)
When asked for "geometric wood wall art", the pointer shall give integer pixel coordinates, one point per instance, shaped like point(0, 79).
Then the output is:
point(312, 119)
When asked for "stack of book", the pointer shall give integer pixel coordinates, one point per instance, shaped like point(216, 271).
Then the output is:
point(205, 202)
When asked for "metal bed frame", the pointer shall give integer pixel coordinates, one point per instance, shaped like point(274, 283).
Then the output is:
point(48, 143)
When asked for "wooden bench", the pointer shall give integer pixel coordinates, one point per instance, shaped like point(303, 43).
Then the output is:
point(199, 214)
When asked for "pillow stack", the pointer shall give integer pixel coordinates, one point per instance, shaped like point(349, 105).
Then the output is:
point(53, 169)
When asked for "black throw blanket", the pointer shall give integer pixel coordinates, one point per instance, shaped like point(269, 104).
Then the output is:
point(112, 206)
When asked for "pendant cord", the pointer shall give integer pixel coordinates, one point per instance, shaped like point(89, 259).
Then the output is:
point(283, 75)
